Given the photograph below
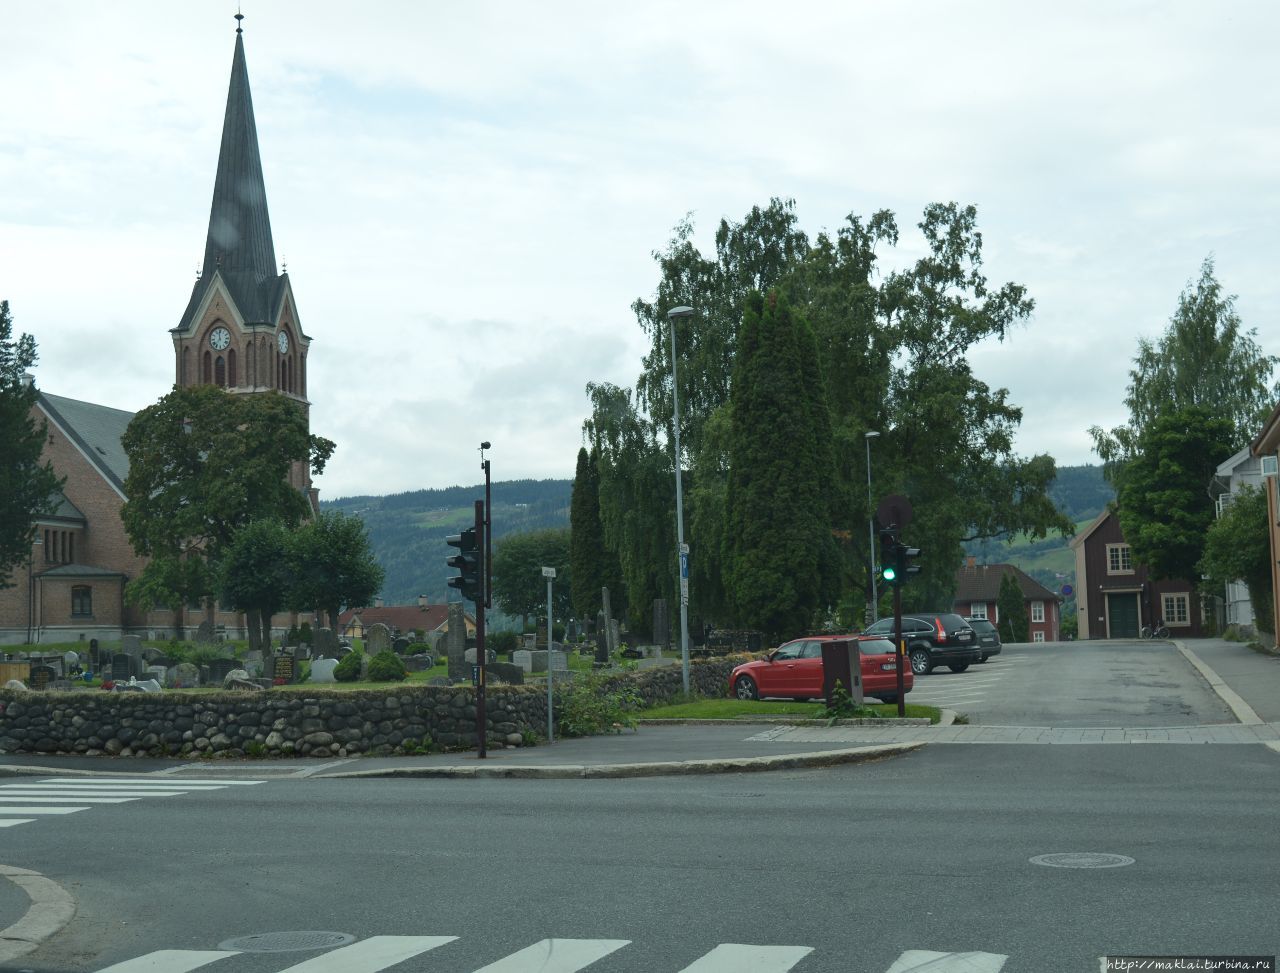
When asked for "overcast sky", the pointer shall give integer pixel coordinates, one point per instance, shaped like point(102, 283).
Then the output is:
point(467, 196)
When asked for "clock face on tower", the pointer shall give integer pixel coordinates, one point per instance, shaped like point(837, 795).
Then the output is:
point(282, 342)
point(219, 338)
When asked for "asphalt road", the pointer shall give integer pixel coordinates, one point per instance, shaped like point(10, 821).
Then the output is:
point(1076, 684)
point(928, 851)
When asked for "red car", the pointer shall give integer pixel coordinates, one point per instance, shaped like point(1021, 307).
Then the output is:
point(794, 670)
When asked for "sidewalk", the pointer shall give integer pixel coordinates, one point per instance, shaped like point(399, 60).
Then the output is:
point(1255, 677)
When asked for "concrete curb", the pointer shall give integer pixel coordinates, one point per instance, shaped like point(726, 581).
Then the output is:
point(51, 909)
point(670, 768)
point(1242, 711)
point(789, 721)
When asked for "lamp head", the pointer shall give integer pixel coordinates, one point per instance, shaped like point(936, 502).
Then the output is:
point(680, 312)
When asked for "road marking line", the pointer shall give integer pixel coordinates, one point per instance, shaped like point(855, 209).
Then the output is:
point(370, 955)
point(556, 956)
point(148, 780)
point(13, 798)
point(737, 958)
point(170, 961)
point(41, 810)
point(68, 792)
point(309, 771)
point(149, 785)
point(927, 961)
point(10, 822)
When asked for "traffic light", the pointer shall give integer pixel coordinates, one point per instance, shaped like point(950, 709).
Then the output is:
point(906, 557)
point(467, 561)
point(888, 556)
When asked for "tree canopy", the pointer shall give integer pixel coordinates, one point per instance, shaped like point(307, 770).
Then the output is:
point(518, 585)
point(28, 488)
point(1237, 547)
point(1164, 505)
point(1012, 608)
point(891, 354)
point(334, 566)
point(1205, 358)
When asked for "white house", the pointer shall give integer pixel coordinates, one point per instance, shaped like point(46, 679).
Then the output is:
point(1241, 470)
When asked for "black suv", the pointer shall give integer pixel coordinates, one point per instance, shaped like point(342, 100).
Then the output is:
point(934, 638)
point(988, 637)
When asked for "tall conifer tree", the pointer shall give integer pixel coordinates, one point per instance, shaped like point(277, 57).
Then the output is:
point(780, 556)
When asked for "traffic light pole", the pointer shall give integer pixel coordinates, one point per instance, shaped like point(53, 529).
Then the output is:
point(900, 646)
point(482, 723)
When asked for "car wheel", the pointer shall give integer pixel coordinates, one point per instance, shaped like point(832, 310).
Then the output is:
point(984, 658)
point(745, 688)
point(921, 664)
point(887, 699)
point(959, 668)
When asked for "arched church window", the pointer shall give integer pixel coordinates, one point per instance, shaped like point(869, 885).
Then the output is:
point(280, 382)
point(206, 370)
point(220, 372)
point(231, 368)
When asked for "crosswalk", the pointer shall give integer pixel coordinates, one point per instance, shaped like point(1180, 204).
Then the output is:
point(378, 953)
point(952, 690)
point(27, 803)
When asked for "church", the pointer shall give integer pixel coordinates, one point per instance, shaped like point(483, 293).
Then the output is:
point(240, 331)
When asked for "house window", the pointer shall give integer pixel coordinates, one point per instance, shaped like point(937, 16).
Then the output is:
point(71, 548)
point(1037, 636)
point(1037, 611)
point(1177, 610)
point(1119, 559)
point(82, 600)
point(978, 609)
point(48, 546)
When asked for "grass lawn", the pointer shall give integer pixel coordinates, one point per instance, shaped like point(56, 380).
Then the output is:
point(732, 709)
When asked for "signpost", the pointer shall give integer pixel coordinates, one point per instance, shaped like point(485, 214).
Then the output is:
point(549, 574)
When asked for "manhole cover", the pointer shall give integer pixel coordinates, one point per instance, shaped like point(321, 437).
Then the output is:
point(286, 942)
point(1082, 859)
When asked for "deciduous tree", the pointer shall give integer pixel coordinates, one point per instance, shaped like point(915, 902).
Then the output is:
point(1164, 505)
point(28, 488)
point(334, 566)
point(1237, 547)
point(1012, 609)
point(518, 585)
point(255, 575)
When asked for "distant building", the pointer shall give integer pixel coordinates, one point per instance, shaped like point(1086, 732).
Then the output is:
point(402, 619)
point(978, 593)
point(1115, 595)
point(240, 331)
point(1235, 474)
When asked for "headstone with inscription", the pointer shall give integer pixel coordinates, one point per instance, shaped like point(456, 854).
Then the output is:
point(205, 633)
point(456, 642)
point(602, 641)
point(377, 639)
point(124, 667)
point(219, 668)
point(398, 646)
point(184, 675)
point(41, 676)
point(283, 671)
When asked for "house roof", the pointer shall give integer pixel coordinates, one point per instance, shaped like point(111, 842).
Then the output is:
point(981, 582)
point(404, 618)
point(79, 571)
point(96, 430)
point(1269, 438)
point(1098, 521)
point(64, 511)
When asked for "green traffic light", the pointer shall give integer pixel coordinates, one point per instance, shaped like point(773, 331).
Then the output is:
point(888, 573)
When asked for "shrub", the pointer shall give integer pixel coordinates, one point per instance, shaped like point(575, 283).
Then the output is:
point(386, 666)
point(501, 641)
point(305, 634)
point(588, 705)
point(348, 669)
point(418, 648)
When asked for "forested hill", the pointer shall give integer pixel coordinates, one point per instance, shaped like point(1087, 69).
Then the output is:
point(407, 530)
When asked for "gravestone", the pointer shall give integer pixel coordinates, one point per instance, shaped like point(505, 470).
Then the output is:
point(400, 645)
point(456, 642)
point(157, 673)
point(41, 676)
point(322, 670)
point(163, 661)
point(71, 662)
point(205, 675)
point(149, 654)
point(602, 638)
point(418, 663)
point(183, 676)
point(524, 659)
point(125, 667)
point(505, 672)
point(572, 630)
point(325, 645)
point(131, 645)
point(434, 640)
point(283, 670)
point(16, 684)
point(661, 622)
point(253, 663)
point(378, 639)
point(148, 685)
point(205, 633)
point(470, 656)
point(219, 668)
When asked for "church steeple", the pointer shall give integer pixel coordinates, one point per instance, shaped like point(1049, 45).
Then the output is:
point(239, 239)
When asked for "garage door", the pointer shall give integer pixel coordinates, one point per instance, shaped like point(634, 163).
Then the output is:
point(1122, 616)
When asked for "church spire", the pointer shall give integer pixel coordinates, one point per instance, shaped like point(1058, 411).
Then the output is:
point(239, 241)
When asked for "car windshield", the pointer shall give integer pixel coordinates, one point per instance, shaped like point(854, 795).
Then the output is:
point(980, 625)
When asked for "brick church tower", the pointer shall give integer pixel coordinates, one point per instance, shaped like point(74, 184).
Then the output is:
point(240, 329)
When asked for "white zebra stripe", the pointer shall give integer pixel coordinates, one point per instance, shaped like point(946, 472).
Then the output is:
point(556, 956)
point(738, 958)
point(370, 955)
point(927, 961)
point(169, 961)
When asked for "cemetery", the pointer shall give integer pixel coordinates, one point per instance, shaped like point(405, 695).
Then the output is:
point(381, 695)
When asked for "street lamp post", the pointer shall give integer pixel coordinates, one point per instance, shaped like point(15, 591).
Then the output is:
point(871, 529)
point(682, 551)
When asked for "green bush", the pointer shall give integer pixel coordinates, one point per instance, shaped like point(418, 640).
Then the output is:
point(386, 666)
point(348, 668)
point(305, 634)
point(501, 642)
point(587, 706)
point(417, 648)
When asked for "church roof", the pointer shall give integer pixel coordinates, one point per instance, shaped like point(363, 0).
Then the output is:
point(96, 430)
point(238, 246)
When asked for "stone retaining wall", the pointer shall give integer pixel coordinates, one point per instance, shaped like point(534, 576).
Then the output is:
point(281, 723)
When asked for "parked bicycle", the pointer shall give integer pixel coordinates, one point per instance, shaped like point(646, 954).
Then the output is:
point(1157, 631)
